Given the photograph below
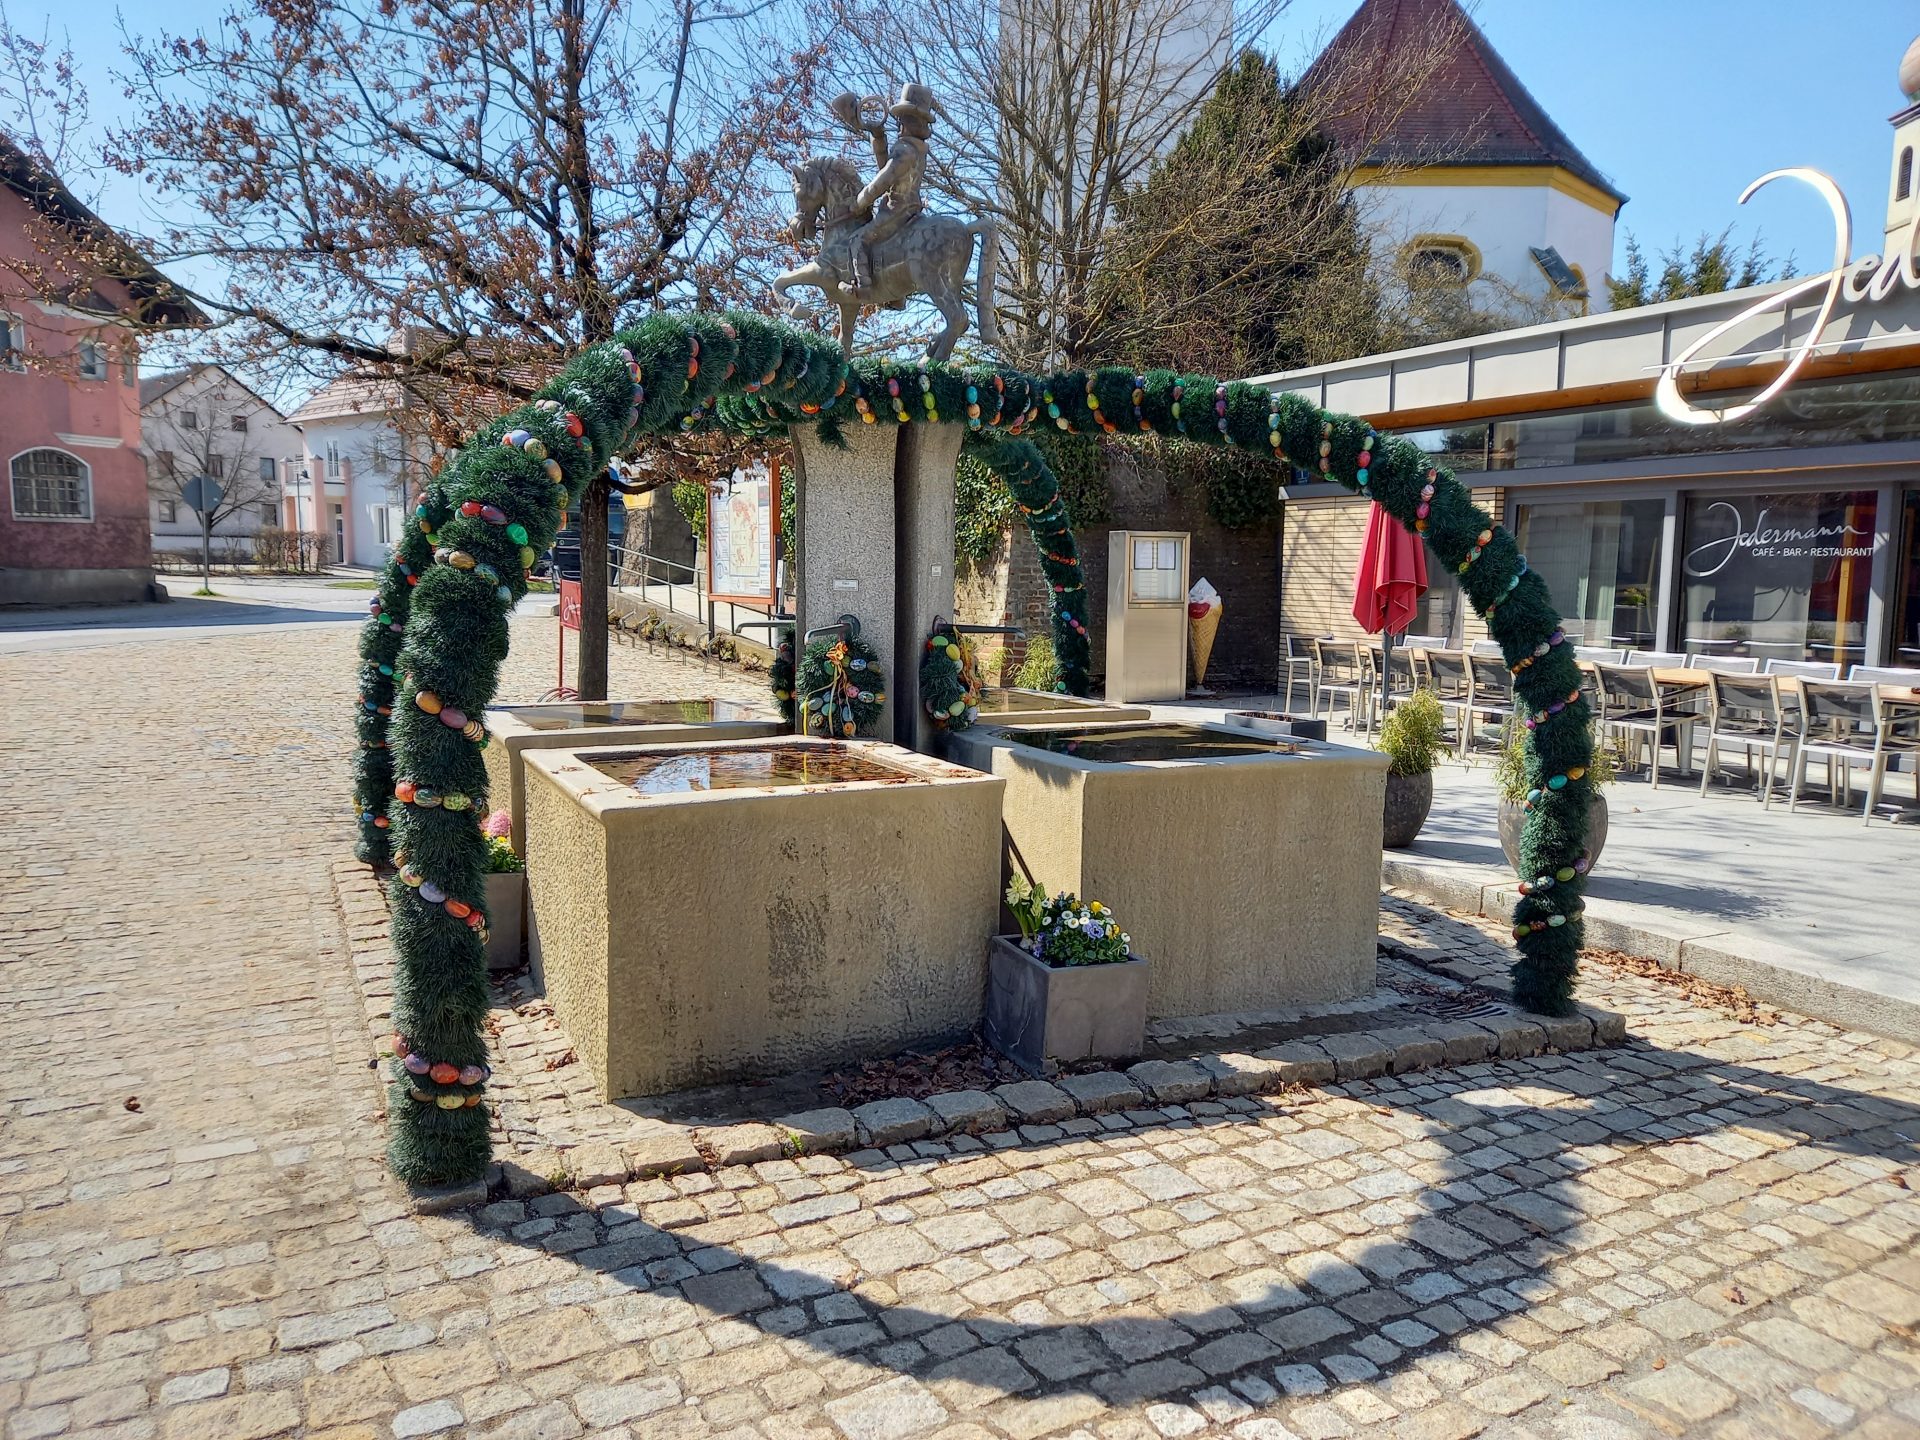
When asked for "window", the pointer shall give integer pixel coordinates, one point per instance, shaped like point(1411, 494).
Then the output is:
point(1601, 562)
point(217, 466)
point(380, 523)
point(269, 513)
point(1779, 577)
point(1904, 187)
point(51, 485)
point(93, 360)
point(1440, 260)
point(129, 365)
point(13, 343)
point(189, 419)
point(163, 462)
point(169, 511)
point(237, 422)
point(268, 473)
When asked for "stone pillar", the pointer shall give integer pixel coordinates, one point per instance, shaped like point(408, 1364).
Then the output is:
point(874, 527)
point(923, 544)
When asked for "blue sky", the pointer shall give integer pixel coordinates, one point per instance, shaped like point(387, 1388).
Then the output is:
point(1680, 102)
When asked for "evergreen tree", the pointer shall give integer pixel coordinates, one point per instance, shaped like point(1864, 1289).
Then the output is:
point(1711, 266)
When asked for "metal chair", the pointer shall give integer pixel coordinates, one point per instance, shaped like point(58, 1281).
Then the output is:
point(1485, 647)
point(1848, 724)
point(1343, 668)
point(1674, 659)
point(1451, 679)
point(1724, 664)
point(1632, 705)
point(1600, 654)
point(1405, 674)
point(1804, 669)
point(1747, 710)
point(1295, 656)
point(1423, 642)
point(1491, 693)
point(1884, 675)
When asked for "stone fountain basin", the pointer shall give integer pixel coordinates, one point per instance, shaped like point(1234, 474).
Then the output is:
point(567, 725)
point(758, 907)
point(1246, 868)
point(1003, 705)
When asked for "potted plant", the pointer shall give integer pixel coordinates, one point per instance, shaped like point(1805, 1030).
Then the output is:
point(506, 893)
point(1066, 988)
point(1411, 738)
point(1510, 776)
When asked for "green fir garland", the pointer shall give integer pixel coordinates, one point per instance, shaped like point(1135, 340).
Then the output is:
point(780, 676)
point(449, 588)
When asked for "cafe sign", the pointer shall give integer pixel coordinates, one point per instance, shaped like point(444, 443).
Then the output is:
point(1767, 539)
point(1869, 279)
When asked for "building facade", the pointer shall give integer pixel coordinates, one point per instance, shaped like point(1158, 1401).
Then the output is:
point(201, 420)
point(1469, 183)
point(1731, 474)
point(356, 468)
point(74, 301)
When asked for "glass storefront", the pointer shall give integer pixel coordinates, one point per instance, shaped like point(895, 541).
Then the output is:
point(1778, 576)
point(1905, 644)
point(1601, 561)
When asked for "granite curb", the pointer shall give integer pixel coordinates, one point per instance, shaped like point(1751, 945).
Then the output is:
point(1152, 1091)
point(1717, 956)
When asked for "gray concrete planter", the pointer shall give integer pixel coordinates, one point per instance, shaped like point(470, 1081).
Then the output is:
point(506, 902)
point(1274, 722)
point(1409, 799)
point(1513, 816)
point(1037, 1014)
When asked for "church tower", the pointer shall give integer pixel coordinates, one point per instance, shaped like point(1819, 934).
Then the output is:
point(1467, 181)
point(1903, 186)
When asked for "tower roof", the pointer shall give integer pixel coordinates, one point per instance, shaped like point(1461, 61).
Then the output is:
point(1468, 109)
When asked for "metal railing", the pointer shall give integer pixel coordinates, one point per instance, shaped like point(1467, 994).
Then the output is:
point(681, 589)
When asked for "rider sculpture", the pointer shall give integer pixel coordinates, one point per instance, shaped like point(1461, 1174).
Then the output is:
point(878, 242)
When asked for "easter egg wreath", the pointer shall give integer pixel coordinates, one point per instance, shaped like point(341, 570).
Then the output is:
point(430, 654)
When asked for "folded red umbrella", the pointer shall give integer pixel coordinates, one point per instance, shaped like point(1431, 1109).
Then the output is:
point(1392, 575)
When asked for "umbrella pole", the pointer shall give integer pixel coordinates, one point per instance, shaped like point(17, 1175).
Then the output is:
point(1386, 661)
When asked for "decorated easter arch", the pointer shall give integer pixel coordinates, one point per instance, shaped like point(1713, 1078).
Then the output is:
point(431, 652)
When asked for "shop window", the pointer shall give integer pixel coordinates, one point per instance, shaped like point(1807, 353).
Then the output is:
point(1778, 577)
point(1906, 595)
point(1601, 563)
point(51, 485)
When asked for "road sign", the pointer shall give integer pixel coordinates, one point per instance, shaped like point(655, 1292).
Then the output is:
point(203, 493)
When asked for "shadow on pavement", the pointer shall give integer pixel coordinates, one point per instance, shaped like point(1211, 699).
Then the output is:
point(1226, 1265)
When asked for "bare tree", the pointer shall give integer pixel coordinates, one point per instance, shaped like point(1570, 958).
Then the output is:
point(500, 184)
point(189, 432)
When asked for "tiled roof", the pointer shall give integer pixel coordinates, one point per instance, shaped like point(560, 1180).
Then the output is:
point(1471, 110)
point(348, 396)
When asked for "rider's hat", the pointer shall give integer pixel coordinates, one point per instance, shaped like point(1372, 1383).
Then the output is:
point(915, 103)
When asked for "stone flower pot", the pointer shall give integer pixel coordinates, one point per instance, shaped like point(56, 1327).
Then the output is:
point(506, 900)
point(1409, 799)
point(1513, 816)
point(1038, 1014)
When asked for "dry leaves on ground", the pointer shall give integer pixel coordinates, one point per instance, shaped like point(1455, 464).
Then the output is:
point(1730, 1000)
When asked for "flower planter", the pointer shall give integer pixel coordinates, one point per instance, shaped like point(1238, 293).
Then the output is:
point(1038, 1014)
point(506, 897)
point(1409, 800)
point(1513, 816)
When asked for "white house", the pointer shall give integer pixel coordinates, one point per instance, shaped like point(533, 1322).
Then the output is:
point(1469, 181)
point(204, 421)
point(355, 469)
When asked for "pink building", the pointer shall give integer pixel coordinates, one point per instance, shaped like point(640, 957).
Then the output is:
point(74, 300)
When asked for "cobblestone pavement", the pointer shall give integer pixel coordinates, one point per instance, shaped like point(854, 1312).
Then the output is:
point(1709, 1231)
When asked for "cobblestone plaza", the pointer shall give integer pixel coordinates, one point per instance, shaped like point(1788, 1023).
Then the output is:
point(1708, 1230)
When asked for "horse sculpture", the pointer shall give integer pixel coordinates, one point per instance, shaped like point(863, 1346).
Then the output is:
point(927, 257)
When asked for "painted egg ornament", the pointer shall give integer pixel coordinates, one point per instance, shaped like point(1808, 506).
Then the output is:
point(450, 1102)
point(452, 718)
point(431, 893)
point(959, 707)
point(473, 1075)
point(428, 701)
point(444, 1074)
point(415, 1064)
point(474, 731)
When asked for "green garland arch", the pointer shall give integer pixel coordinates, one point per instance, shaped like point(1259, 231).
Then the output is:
point(430, 654)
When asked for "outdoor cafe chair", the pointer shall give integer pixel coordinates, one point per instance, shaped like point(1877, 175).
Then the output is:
point(1673, 659)
point(1884, 675)
point(1450, 678)
point(1600, 654)
point(1490, 694)
point(1485, 647)
point(1423, 642)
point(1850, 724)
point(1406, 672)
point(1724, 664)
point(1296, 657)
point(1342, 668)
point(1804, 669)
point(1632, 706)
point(1747, 710)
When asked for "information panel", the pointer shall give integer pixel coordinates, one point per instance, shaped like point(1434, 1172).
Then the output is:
point(741, 519)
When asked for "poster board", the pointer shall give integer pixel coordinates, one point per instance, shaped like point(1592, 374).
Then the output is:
point(742, 523)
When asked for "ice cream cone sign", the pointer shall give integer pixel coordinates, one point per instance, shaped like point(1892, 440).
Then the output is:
point(1203, 622)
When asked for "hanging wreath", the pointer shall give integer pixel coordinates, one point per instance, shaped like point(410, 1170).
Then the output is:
point(950, 678)
point(780, 677)
point(841, 687)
